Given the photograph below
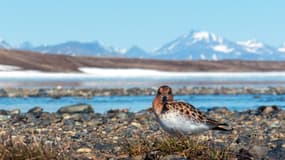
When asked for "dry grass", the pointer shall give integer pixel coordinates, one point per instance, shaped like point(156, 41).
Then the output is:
point(186, 147)
point(13, 148)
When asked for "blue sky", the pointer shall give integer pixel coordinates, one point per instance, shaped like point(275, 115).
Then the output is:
point(146, 23)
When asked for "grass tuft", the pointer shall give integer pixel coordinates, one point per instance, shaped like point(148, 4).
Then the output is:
point(13, 148)
point(186, 147)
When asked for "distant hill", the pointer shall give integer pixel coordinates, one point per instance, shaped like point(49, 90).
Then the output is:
point(27, 60)
point(195, 45)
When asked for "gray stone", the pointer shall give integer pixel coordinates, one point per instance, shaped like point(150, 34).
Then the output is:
point(77, 108)
point(4, 117)
point(15, 112)
point(268, 110)
point(35, 110)
point(3, 112)
point(258, 151)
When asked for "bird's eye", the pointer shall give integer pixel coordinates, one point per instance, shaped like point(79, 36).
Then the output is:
point(169, 92)
point(158, 92)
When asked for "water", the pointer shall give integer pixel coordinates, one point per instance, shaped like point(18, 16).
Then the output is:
point(136, 103)
point(140, 78)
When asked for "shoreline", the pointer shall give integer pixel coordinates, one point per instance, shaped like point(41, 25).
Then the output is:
point(91, 92)
point(93, 72)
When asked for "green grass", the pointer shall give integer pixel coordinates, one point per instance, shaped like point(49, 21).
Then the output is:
point(187, 147)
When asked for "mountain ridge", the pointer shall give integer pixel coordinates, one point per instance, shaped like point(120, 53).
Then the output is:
point(194, 45)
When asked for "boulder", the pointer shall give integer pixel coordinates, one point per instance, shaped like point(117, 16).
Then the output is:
point(265, 110)
point(15, 112)
point(35, 110)
point(77, 108)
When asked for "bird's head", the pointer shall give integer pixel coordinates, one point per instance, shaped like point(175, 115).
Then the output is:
point(164, 93)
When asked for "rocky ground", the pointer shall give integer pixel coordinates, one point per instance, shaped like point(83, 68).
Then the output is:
point(80, 133)
point(61, 92)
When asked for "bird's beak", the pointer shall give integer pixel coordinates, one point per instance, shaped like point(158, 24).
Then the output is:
point(164, 99)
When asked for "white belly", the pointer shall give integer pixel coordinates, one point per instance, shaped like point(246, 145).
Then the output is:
point(176, 123)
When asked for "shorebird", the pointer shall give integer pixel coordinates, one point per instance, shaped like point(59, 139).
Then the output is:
point(181, 118)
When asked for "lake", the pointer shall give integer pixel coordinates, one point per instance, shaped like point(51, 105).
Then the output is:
point(136, 103)
point(128, 78)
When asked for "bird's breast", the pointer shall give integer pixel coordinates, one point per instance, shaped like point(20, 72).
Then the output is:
point(176, 122)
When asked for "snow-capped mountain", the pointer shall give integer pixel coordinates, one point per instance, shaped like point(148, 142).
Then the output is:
point(209, 46)
point(195, 45)
point(77, 49)
point(282, 48)
point(4, 44)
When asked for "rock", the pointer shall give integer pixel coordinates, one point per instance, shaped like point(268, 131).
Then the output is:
point(118, 113)
point(244, 154)
point(84, 150)
point(258, 151)
point(77, 108)
point(267, 110)
point(277, 152)
point(4, 112)
point(3, 93)
point(4, 117)
point(35, 110)
point(15, 112)
point(221, 110)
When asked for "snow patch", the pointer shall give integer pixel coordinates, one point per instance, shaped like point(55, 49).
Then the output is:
point(127, 73)
point(172, 46)
point(282, 49)
point(134, 73)
point(198, 36)
point(251, 45)
point(121, 50)
point(223, 48)
point(214, 37)
point(9, 68)
point(214, 57)
point(202, 56)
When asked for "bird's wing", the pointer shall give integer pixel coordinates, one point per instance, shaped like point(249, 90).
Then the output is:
point(186, 109)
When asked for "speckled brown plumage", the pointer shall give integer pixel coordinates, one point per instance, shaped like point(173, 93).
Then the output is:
point(172, 114)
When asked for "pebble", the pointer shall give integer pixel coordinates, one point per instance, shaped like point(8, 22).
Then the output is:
point(255, 135)
point(58, 92)
point(84, 150)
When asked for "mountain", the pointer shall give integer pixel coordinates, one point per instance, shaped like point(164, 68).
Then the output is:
point(282, 49)
point(195, 45)
point(4, 44)
point(209, 46)
point(76, 48)
point(137, 52)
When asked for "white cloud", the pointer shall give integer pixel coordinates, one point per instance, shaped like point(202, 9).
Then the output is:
point(223, 48)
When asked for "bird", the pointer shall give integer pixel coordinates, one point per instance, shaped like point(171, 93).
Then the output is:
point(181, 118)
